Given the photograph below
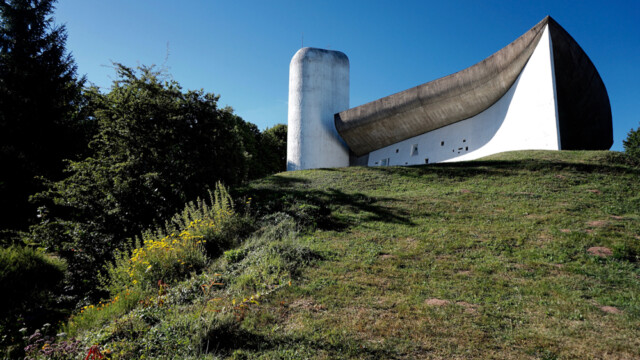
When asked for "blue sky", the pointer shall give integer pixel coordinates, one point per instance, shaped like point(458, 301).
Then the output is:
point(241, 49)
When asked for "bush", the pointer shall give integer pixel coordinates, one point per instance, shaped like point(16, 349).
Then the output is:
point(26, 275)
point(632, 143)
point(28, 279)
point(169, 255)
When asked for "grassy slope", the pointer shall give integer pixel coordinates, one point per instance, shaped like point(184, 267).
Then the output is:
point(502, 241)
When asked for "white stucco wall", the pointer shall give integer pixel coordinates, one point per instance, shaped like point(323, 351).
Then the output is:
point(525, 118)
point(318, 88)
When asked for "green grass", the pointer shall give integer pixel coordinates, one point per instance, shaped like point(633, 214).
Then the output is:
point(474, 260)
point(503, 240)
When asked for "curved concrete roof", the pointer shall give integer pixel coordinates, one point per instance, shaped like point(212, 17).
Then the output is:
point(446, 100)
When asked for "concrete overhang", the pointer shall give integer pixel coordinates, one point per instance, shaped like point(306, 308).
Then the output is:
point(468, 92)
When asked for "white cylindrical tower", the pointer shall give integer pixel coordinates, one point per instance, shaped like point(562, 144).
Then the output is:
point(318, 89)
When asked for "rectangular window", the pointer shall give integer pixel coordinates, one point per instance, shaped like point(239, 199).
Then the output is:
point(384, 162)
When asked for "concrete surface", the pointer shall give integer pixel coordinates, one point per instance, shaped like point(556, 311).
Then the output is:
point(524, 118)
point(318, 88)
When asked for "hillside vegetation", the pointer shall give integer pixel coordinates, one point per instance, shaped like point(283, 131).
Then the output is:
point(523, 255)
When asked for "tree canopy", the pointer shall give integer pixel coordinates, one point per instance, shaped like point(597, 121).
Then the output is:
point(632, 143)
point(40, 96)
point(156, 148)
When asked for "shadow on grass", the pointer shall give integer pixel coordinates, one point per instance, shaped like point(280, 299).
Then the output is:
point(325, 208)
point(230, 337)
point(468, 169)
point(297, 198)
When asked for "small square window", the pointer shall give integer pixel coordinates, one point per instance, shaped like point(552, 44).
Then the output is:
point(397, 151)
point(441, 143)
point(426, 160)
point(466, 148)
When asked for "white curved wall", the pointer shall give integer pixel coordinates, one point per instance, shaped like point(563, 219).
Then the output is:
point(525, 118)
point(318, 88)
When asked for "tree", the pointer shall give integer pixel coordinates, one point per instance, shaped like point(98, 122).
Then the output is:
point(266, 151)
point(274, 148)
point(632, 143)
point(39, 97)
point(156, 148)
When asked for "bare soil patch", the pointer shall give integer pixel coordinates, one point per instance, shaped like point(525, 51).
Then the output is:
point(437, 302)
point(594, 191)
point(600, 251)
point(598, 223)
point(611, 309)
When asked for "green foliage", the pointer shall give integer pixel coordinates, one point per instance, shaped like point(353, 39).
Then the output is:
point(171, 254)
point(41, 117)
point(30, 284)
point(26, 275)
point(156, 148)
point(219, 224)
point(632, 144)
point(200, 316)
point(273, 151)
point(266, 152)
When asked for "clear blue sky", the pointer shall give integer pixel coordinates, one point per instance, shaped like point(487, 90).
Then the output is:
point(241, 49)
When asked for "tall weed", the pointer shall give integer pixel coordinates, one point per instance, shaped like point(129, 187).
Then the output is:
point(180, 248)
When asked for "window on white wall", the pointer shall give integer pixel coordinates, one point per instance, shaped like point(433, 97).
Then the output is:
point(414, 149)
point(384, 162)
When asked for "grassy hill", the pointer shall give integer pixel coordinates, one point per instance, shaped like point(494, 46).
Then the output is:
point(523, 255)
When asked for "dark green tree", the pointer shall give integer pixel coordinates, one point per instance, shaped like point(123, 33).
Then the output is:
point(156, 148)
point(274, 148)
point(39, 97)
point(632, 143)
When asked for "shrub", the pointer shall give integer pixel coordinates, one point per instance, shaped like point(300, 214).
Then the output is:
point(169, 255)
point(28, 279)
point(632, 143)
point(26, 274)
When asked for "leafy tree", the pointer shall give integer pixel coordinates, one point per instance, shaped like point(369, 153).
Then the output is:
point(274, 148)
point(156, 147)
point(39, 97)
point(266, 151)
point(632, 143)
